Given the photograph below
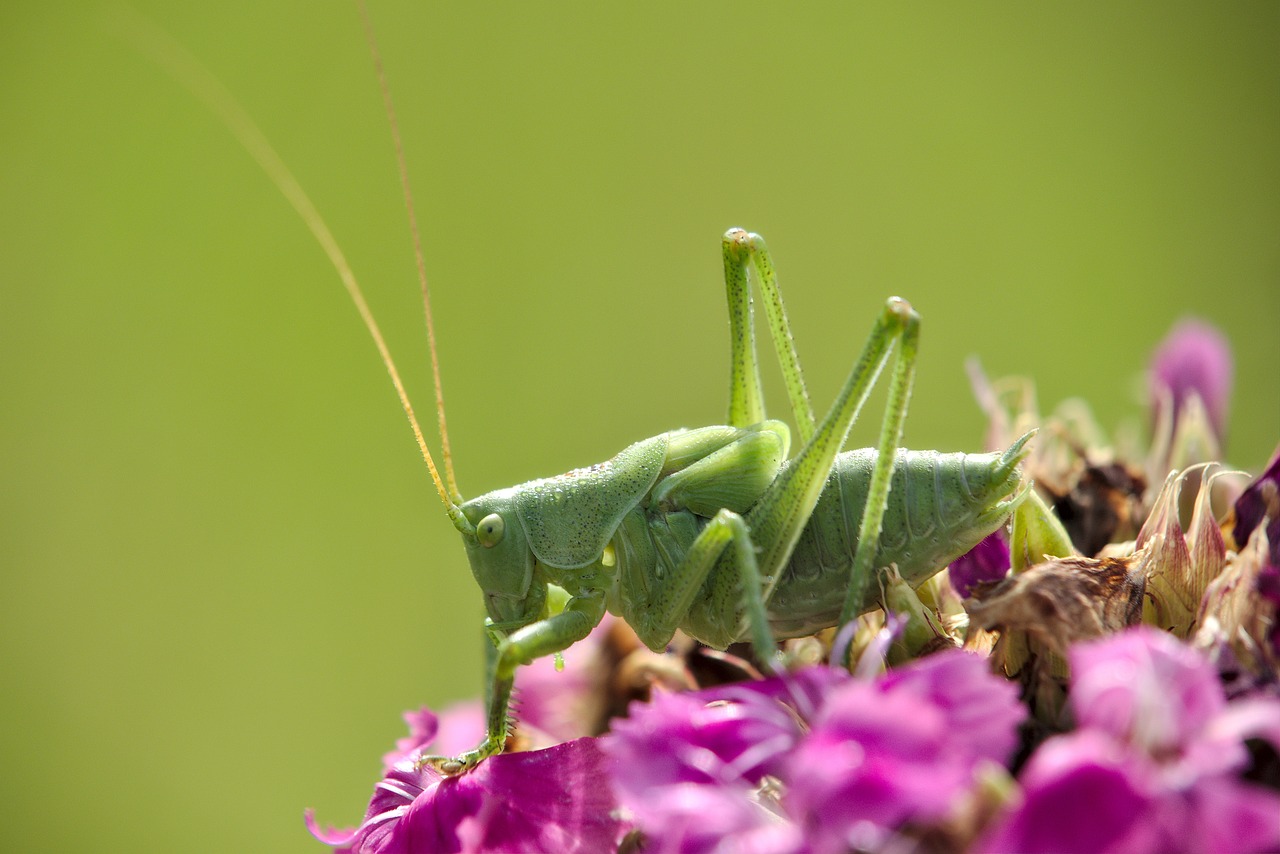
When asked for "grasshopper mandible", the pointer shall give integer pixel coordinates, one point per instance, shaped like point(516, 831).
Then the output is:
point(714, 531)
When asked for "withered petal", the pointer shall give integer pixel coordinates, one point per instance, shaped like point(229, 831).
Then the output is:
point(1064, 600)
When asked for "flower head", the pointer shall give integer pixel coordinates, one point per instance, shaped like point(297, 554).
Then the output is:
point(814, 755)
point(1144, 688)
point(1154, 764)
point(905, 748)
point(1194, 360)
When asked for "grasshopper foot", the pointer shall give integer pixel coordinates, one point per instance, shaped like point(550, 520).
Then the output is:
point(452, 766)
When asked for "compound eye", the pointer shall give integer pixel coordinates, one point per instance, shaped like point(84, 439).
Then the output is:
point(490, 529)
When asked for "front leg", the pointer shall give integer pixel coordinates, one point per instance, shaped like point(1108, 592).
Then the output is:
point(545, 637)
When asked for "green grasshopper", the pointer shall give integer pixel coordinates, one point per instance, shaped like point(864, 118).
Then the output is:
point(713, 531)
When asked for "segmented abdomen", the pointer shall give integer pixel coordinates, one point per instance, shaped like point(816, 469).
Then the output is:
point(940, 506)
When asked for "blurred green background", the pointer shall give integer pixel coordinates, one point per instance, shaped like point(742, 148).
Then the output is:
point(225, 571)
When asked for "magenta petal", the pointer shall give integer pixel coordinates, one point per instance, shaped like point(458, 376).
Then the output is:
point(738, 737)
point(982, 710)
point(457, 729)
point(423, 725)
point(1260, 502)
point(687, 765)
point(554, 800)
point(988, 561)
point(1219, 748)
point(1221, 816)
point(1082, 792)
point(725, 735)
point(689, 818)
point(902, 749)
point(392, 798)
point(337, 837)
point(873, 757)
point(1144, 687)
point(804, 691)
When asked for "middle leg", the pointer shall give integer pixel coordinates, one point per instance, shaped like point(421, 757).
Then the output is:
point(724, 542)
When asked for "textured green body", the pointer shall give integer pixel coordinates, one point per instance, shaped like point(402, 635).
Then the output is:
point(940, 506)
point(619, 530)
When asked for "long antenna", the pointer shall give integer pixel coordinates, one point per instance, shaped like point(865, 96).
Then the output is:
point(446, 453)
point(188, 71)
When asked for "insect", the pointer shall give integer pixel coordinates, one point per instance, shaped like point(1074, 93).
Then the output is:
point(715, 531)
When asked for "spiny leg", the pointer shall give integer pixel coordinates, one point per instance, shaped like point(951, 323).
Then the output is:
point(744, 249)
point(778, 518)
point(895, 415)
point(545, 637)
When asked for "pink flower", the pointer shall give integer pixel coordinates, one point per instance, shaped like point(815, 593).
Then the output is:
point(1155, 764)
point(1194, 359)
point(905, 748)
point(815, 761)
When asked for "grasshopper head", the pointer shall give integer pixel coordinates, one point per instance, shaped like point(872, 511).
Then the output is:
point(501, 559)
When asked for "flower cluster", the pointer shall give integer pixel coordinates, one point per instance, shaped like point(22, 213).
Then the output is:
point(816, 761)
point(1118, 689)
point(1153, 764)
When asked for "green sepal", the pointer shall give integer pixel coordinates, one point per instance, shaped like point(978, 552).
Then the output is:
point(1037, 534)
